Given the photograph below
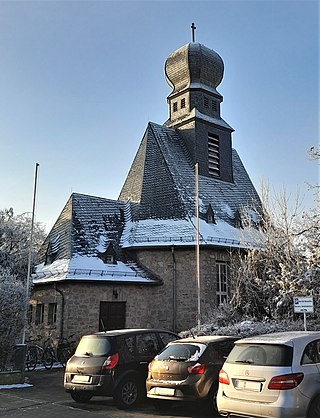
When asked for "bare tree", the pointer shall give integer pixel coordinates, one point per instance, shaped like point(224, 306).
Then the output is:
point(287, 264)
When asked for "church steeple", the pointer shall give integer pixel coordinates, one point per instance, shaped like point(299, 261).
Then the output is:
point(194, 72)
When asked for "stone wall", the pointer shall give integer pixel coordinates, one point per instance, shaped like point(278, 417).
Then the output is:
point(146, 305)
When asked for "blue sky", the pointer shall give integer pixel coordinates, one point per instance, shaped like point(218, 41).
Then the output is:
point(79, 81)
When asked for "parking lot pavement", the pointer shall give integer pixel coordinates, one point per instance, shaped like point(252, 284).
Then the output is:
point(46, 398)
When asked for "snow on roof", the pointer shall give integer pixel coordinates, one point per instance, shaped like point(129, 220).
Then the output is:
point(281, 337)
point(196, 114)
point(89, 268)
point(182, 232)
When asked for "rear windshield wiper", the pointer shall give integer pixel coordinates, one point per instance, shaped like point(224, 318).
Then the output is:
point(88, 354)
point(244, 361)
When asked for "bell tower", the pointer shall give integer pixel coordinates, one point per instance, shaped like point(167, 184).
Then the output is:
point(194, 72)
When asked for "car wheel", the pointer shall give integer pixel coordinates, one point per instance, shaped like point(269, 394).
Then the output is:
point(81, 396)
point(212, 400)
point(314, 410)
point(127, 393)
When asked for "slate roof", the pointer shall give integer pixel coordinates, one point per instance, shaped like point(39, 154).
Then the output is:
point(84, 230)
point(156, 207)
point(165, 174)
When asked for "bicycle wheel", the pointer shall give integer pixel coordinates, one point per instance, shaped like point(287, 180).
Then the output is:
point(63, 355)
point(47, 359)
point(31, 359)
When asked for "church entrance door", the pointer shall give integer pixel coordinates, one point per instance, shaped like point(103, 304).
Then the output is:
point(112, 315)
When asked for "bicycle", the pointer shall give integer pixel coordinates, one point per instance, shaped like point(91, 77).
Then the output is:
point(31, 358)
point(38, 354)
point(65, 349)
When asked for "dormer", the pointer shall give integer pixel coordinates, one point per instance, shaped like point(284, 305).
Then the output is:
point(52, 250)
point(210, 215)
point(238, 220)
point(109, 256)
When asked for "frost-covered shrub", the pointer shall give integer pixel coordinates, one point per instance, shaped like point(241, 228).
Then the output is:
point(13, 305)
point(14, 256)
point(250, 327)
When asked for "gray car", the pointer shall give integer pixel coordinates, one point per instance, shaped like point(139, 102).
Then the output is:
point(272, 376)
point(114, 363)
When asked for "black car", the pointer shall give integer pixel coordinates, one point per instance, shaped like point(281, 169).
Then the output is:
point(114, 363)
point(188, 370)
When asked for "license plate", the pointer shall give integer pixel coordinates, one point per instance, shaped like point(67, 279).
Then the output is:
point(247, 385)
point(79, 378)
point(164, 391)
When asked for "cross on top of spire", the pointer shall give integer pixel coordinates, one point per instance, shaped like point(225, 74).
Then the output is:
point(193, 28)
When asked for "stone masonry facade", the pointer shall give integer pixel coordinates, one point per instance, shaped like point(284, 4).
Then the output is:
point(150, 306)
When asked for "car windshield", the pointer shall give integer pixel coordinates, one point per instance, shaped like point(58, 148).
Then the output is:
point(93, 345)
point(181, 352)
point(261, 354)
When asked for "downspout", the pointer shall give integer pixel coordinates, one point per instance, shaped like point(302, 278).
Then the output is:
point(62, 309)
point(174, 304)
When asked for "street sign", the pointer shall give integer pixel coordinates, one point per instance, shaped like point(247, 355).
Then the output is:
point(303, 304)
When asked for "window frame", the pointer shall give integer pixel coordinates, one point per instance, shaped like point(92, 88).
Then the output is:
point(52, 313)
point(222, 282)
point(39, 319)
point(30, 313)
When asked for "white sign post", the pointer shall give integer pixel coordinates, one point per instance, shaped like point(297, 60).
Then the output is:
point(303, 304)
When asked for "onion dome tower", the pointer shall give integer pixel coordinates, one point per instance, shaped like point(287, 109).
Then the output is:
point(194, 72)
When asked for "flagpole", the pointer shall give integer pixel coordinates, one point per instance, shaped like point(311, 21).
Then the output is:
point(197, 246)
point(30, 253)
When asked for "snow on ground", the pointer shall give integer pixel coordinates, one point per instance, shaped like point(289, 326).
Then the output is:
point(16, 386)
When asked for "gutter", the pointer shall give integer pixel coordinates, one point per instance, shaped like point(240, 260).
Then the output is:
point(62, 309)
point(174, 291)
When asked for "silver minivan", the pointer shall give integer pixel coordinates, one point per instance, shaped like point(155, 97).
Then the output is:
point(272, 376)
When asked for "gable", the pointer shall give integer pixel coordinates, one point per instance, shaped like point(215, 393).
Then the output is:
point(132, 187)
point(150, 182)
point(62, 228)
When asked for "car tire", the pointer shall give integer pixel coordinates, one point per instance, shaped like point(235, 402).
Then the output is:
point(314, 410)
point(127, 393)
point(212, 400)
point(81, 396)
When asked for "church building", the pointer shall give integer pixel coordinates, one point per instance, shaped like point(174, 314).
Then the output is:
point(154, 257)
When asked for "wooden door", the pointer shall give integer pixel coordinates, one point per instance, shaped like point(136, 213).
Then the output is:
point(112, 315)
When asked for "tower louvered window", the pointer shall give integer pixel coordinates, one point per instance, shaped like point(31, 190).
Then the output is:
point(213, 155)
